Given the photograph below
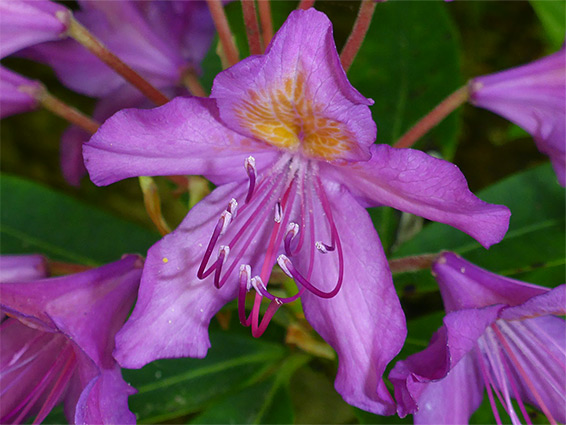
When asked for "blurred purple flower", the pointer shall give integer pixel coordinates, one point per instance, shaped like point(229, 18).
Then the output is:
point(286, 135)
point(533, 96)
point(161, 40)
point(16, 93)
point(24, 23)
point(57, 345)
point(500, 334)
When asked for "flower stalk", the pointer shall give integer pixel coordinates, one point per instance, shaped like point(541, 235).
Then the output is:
point(82, 35)
point(358, 33)
point(61, 109)
point(306, 4)
point(191, 82)
point(441, 111)
point(152, 204)
point(252, 26)
point(412, 264)
point(264, 10)
point(224, 33)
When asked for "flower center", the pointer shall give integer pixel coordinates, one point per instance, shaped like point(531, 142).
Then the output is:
point(284, 220)
point(287, 117)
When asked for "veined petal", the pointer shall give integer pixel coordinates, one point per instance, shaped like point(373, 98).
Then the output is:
point(455, 398)
point(182, 137)
point(71, 148)
point(19, 268)
point(105, 400)
point(364, 322)
point(174, 307)
point(412, 181)
point(297, 96)
point(450, 344)
point(465, 285)
point(551, 302)
point(25, 23)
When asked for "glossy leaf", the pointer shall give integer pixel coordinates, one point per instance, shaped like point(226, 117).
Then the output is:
point(407, 65)
point(35, 219)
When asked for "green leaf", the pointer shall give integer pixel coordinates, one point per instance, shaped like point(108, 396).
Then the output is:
point(533, 249)
point(551, 15)
point(173, 388)
point(408, 64)
point(35, 219)
point(267, 402)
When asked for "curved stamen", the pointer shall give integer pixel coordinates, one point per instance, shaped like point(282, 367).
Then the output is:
point(245, 286)
point(290, 270)
point(292, 230)
point(278, 213)
point(249, 165)
point(260, 288)
point(232, 207)
point(324, 248)
point(222, 257)
point(219, 230)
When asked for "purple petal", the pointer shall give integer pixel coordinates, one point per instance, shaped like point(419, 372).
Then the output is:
point(25, 23)
point(549, 303)
point(181, 137)
point(297, 96)
point(103, 295)
point(453, 399)
point(533, 96)
point(174, 307)
point(412, 181)
point(20, 268)
point(16, 93)
point(465, 285)
point(71, 148)
point(105, 400)
point(124, 30)
point(364, 323)
point(451, 343)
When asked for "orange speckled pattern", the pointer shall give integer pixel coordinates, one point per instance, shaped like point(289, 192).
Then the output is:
point(285, 116)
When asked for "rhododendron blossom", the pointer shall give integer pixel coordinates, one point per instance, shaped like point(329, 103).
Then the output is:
point(289, 143)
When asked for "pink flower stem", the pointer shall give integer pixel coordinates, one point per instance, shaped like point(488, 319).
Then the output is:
point(411, 264)
point(252, 26)
point(95, 46)
point(61, 109)
point(358, 33)
point(442, 110)
point(224, 33)
point(191, 82)
point(305, 4)
point(264, 9)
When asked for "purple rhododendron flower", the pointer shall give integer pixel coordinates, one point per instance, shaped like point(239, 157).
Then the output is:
point(24, 23)
point(500, 334)
point(289, 142)
point(533, 96)
point(161, 40)
point(57, 345)
point(16, 93)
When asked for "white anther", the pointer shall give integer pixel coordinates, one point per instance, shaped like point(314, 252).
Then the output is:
point(321, 247)
point(232, 207)
point(293, 229)
point(246, 270)
point(226, 218)
point(249, 163)
point(278, 301)
point(278, 215)
point(284, 263)
point(224, 250)
point(257, 283)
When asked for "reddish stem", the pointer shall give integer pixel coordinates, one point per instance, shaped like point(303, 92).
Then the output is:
point(358, 33)
point(224, 33)
point(442, 110)
point(306, 4)
point(264, 9)
point(95, 46)
point(412, 264)
point(252, 26)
